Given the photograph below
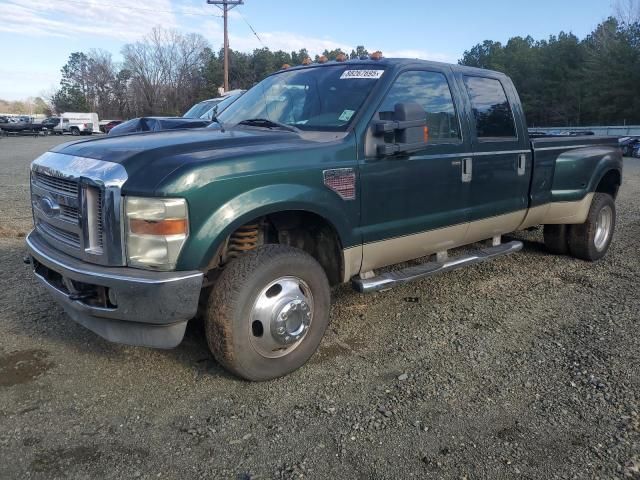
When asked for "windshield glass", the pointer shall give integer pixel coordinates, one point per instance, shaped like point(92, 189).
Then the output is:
point(322, 98)
point(201, 108)
point(220, 106)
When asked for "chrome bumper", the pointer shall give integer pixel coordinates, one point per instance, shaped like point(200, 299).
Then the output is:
point(124, 305)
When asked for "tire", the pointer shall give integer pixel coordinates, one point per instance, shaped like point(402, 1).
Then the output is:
point(556, 239)
point(590, 241)
point(245, 307)
point(75, 132)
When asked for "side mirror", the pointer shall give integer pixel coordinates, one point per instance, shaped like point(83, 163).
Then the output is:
point(409, 127)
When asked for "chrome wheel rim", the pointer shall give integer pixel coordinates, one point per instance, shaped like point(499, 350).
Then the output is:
point(604, 222)
point(281, 317)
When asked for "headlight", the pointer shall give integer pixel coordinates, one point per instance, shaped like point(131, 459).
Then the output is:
point(156, 231)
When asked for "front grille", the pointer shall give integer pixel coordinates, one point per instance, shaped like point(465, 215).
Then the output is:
point(99, 223)
point(56, 184)
point(69, 214)
point(77, 206)
point(78, 225)
point(68, 238)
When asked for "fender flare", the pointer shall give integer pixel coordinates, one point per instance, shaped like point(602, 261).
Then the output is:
point(241, 209)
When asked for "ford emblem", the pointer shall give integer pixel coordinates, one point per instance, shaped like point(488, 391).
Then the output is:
point(49, 207)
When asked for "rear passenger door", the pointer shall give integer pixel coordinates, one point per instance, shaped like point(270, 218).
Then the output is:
point(501, 165)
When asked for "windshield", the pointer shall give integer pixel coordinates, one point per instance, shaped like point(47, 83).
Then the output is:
point(322, 98)
point(220, 106)
point(201, 108)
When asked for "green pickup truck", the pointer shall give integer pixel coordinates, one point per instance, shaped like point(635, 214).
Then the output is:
point(319, 175)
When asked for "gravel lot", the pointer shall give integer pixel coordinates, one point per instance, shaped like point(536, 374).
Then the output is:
point(527, 367)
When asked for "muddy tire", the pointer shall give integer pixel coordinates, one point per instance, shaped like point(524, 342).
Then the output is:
point(591, 240)
point(267, 312)
point(556, 239)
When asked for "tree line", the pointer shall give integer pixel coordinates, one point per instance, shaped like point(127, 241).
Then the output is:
point(163, 74)
point(565, 81)
point(562, 81)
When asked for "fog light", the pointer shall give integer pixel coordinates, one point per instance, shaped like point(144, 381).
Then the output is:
point(113, 298)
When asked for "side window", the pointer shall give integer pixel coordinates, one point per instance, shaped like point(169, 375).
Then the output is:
point(491, 108)
point(431, 91)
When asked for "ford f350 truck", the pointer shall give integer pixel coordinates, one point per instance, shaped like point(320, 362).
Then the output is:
point(319, 175)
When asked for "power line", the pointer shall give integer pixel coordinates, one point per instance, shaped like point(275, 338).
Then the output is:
point(254, 32)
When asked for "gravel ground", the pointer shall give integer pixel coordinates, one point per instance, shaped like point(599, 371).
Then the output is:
point(526, 367)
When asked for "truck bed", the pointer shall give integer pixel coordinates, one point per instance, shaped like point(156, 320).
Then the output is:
point(571, 142)
point(565, 181)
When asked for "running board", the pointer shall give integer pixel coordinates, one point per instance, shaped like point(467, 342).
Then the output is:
point(394, 278)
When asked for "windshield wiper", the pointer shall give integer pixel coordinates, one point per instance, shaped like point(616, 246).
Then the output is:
point(265, 122)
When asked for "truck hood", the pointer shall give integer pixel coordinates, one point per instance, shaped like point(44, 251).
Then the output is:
point(150, 157)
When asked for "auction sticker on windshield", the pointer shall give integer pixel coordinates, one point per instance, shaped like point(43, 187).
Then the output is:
point(350, 74)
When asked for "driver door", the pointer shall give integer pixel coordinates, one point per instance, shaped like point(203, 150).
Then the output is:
point(415, 204)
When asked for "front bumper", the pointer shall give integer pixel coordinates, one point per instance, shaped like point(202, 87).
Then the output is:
point(124, 305)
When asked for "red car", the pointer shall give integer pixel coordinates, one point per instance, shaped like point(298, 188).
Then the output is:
point(106, 128)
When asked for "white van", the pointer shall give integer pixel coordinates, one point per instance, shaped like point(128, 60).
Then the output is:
point(82, 123)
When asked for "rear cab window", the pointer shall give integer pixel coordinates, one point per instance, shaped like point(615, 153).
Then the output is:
point(491, 110)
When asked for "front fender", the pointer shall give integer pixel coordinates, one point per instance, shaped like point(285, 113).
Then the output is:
point(578, 172)
point(206, 238)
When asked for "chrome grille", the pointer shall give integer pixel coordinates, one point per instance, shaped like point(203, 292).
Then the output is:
point(69, 214)
point(56, 184)
point(99, 221)
point(69, 238)
point(77, 206)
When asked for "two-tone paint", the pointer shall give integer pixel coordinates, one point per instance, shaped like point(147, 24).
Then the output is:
point(406, 205)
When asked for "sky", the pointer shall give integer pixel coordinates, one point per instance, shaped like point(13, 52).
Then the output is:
point(38, 36)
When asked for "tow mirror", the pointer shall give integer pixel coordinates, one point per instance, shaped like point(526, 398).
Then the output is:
point(409, 125)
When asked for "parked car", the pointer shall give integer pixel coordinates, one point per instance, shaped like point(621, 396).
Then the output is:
point(156, 124)
point(205, 108)
point(56, 125)
point(628, 145)
point(323, 174)
point(81, 123)
point(21, 124)
point(108, 126)
point(198, 116)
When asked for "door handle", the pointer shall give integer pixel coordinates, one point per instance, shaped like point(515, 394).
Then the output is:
point(467, 169)
point(522, 164)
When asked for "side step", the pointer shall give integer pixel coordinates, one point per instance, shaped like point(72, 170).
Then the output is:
point(392, 279)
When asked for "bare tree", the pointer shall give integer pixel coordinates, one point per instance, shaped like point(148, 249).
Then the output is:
point(627, 11)
point(101, 76)
point(165, 71)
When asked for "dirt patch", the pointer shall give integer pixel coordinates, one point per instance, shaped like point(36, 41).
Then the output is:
point(23, 367)
point(58, 460)
point(11, 233)
point(348, 346)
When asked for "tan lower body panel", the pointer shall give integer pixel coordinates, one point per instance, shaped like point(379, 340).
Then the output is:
point(568, 213)
point(352, 261)
point(493, 226)
point(401, 249)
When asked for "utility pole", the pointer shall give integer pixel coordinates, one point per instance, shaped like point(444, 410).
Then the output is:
point(225, 6)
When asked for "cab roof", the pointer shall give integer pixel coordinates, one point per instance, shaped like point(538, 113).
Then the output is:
point(395, 63)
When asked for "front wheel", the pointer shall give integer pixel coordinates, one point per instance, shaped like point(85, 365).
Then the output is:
point(268, 312)
point(591, 240)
